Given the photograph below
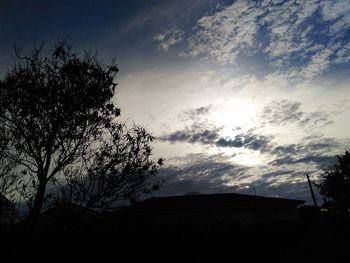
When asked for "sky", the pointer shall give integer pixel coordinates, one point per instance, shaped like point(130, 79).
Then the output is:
point(242, 96)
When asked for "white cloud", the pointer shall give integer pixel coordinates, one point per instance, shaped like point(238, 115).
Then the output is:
point(343, 54)
point(284, 112)
point(169, 38)
point(226, 33)
point(290, 33)
point(317, 64)
point(234, 29)
point(338, 14)
point(332, 10)
point(286, 31)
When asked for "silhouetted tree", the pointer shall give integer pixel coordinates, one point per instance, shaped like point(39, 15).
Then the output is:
point(117, 171)
point(8, 178)
point(335, 187)
point(58, 130)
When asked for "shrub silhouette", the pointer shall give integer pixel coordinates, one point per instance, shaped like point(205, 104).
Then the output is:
point(335, 187)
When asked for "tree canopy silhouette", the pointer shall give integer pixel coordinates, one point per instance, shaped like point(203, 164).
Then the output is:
point(60, 137)
point(335, 187)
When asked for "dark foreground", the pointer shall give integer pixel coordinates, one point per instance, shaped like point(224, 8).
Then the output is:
point(322, 237)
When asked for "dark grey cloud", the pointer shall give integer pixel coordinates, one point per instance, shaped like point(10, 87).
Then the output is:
point(294, 184)
point(227, 142)
point(278, 173)
point(194, 113)
point(282, 150)
point(248, 140)
point(315, 119)
point(284, 176)
point(319, 151)
point(308, 145)
point(321, 161)
point(211, 136)
point(194, 134)
point(324, 144)
point(256, 141)
point(216, 174)
point(282, 112)
point(199, 173)
point(316, 151)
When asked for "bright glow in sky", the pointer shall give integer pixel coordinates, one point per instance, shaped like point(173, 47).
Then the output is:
point(238, 93)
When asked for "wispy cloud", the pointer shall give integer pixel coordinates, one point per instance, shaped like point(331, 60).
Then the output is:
point(194, 134)
point(338, 14)
point(317, 64)
point(216, 173)
point(199, 172)
point(226, 33)
point(315, 153)
point(249, 140)
point(281, 112)
point(342, 54)
point(194, 114)
point(211, 135)
point(320, 152)
point(302, 38)
point(321, 161)
point(289, 34)
point(169, 38)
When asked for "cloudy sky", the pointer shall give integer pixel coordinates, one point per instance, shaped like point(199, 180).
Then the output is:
point(243, 96)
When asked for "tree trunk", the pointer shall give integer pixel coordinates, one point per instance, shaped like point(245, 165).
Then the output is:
point(38, 201)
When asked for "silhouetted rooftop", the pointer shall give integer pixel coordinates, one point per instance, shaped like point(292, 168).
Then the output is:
point(206, 202)
point(69, 209)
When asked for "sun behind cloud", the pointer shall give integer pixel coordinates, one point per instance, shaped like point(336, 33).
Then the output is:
point(236, 112)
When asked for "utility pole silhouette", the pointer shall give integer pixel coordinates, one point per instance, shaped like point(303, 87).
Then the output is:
point(311, 190)
point(253, 189)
